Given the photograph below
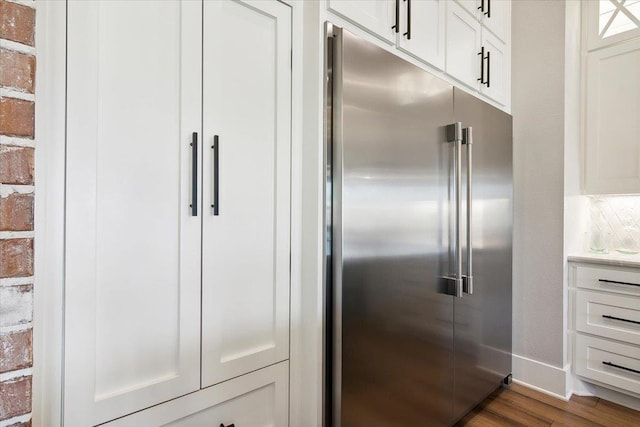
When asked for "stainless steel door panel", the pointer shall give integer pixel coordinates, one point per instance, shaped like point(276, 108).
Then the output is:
point(394, 320)
point(483, 320)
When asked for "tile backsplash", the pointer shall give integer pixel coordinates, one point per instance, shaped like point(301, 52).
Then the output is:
point(614, 224)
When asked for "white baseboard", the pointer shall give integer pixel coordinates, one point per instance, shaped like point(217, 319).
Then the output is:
point(542, 377)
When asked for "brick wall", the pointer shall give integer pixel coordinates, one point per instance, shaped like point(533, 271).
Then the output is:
point(17, 143)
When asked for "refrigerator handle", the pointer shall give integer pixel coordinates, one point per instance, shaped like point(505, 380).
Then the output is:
point(467, 279)
point(454, 135)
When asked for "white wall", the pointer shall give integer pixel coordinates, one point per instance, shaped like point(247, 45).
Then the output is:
point(538, 108)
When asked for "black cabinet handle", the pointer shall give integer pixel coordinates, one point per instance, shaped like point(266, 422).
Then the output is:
point(397, 24)
point(488, 69)
point(230, 425)
point(615, 282)
point(194, 174)
point(408, 33)
point(216, 174)
point(606, 316)
point(635, 371)
point(481, 7)
point(481, 53)
point(488, 12)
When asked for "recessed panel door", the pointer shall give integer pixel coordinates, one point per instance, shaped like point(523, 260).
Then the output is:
point(132, 261)
point(246, 220)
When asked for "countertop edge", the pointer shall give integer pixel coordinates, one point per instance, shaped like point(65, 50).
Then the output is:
point(606, 260)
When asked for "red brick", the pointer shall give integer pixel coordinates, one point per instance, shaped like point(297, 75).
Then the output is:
point(17, 22)
point(16, 351)
point(16, 212)
point(16, 397)
point(18, 70)
point(16, 165)
point(17, 117)
point(16, 257)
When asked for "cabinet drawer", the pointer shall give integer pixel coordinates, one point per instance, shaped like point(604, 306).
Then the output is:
point(608, 362)
point(256, 399)
point(608, 315)
point(611, 279)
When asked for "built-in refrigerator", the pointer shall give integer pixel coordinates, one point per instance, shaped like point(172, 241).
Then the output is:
point(419, 242)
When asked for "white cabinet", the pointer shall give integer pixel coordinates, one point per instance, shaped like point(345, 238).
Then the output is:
point(612, 146)
point(464, 57)
point(606, 323)
point(157, 283)
point(495, 68)
point(422, 30)
point(246, 242)
point(256, 399)
point(476, 56)
point(376, 16)
point(415, 27)
point(495, 15)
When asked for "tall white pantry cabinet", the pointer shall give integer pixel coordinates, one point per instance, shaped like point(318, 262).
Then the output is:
point(177, 230)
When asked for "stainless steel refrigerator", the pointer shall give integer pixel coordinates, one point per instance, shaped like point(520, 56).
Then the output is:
point(419, 242)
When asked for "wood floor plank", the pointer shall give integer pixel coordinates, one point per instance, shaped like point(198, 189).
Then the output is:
point(515, 414)
point(603, 415)
point(487, 419)
point(542, 409)
point(585, 400)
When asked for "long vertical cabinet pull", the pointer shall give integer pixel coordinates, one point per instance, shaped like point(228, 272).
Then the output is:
point(396, 27)
point(408, 33)
point(467, 139)
point(454, 135)
point(194, 174)
point(488, 12)
point(216, 181)
point(481, 7)
point(481, 53)
point(488, 69)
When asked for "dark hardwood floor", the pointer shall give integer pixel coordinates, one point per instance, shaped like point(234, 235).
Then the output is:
point(521, 406)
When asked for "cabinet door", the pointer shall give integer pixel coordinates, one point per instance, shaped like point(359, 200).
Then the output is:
point(246, 244)
point(427, 31)
point(612, 126)
point(495, 68)
point(257, 399)
point(497, 17)
point(377, 16)
point(472, 6)
point(132, 263)
point(463, 46)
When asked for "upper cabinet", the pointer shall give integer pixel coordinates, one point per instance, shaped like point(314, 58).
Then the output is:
point(476, 56)
point(469, 40)
point(607, 22)
point(611, 45)
point(611, 120)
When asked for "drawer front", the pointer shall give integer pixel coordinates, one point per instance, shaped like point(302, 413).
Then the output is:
point(608, 315)
point(610, 279)
point(257, 399)
point(608, 362)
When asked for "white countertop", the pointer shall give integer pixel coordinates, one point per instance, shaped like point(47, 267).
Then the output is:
point(612, 258)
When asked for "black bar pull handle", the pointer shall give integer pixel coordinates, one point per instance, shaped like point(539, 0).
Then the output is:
point(488, 69)
point(635, 371)
point(481, 53)
point(488, 12)
point(397, 24)
point(621, 319)
point(216, 173)
point(194, 174)
point(230, 425)
point(615, 282)
point(481, 7)
point(408, 33)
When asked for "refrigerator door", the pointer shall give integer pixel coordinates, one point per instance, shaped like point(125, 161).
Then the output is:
point(393, 318)
point(483, 319)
